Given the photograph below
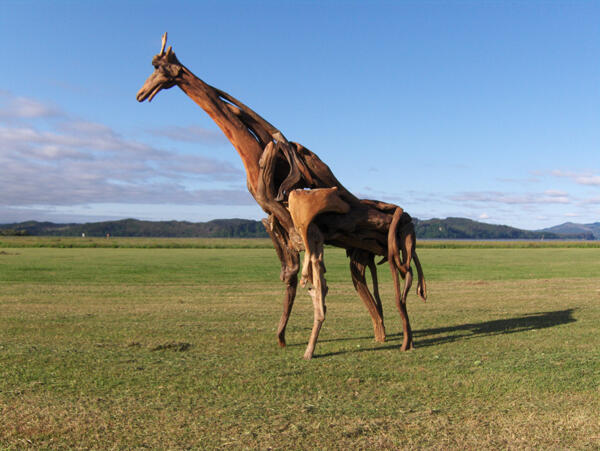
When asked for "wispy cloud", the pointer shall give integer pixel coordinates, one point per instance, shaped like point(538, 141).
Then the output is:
point(547, 197)
point(586, 178)
point(15, 107)
point(49, 158)
point(534, 177)
point(591, 201)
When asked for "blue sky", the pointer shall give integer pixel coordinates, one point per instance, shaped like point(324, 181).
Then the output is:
point(488, 110)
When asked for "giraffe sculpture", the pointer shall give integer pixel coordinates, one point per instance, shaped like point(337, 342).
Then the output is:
point(306, 205)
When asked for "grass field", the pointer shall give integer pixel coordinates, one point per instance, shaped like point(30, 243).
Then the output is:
point(173, 348)
point(256, 243)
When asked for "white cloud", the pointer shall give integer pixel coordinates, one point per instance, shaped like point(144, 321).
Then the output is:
point(48, 159)
point(14, 107)
point(548, 197)
point(591, 200)
point(587, 178)
point(557, 193)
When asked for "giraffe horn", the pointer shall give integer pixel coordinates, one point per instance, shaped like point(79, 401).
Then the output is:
point(164, 43)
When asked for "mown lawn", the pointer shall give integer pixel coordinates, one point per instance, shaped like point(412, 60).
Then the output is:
point(125, 348)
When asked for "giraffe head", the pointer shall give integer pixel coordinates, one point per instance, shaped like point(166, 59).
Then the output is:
point(166, 70)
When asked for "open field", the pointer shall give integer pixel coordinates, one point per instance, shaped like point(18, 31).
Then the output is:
point(258, 243)
point(130, 347)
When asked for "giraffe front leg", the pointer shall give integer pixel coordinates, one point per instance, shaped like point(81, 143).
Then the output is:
point(288, 302)
point(289, 275)
point(318, 290)
point(304, 206)
point(289, 258)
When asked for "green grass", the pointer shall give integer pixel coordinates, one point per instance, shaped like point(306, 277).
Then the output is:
point(256, 243)
point(131, 347)
point(144, 243)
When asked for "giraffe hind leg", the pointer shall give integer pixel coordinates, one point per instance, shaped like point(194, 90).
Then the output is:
point(318, 290)
point(358, 260)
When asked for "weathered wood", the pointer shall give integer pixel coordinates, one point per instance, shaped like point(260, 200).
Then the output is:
point(359, 260)
point(290, 264)
point(275, 168)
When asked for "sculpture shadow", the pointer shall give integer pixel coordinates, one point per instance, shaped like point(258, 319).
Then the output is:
point(468, 331)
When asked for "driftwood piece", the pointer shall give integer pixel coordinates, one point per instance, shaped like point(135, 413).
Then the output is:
point(306, 205)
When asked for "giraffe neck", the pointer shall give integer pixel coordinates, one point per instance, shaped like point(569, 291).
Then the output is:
point(246, 144)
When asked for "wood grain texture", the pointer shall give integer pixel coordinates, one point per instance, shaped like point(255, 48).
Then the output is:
point(306, 205)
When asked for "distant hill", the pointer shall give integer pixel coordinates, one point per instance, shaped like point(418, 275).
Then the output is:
point(461, 228)
point(571, 228)
point(449, 228)
point(219, 228)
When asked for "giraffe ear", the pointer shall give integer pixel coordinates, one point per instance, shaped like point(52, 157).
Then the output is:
point(172, 69)
point(169, 51)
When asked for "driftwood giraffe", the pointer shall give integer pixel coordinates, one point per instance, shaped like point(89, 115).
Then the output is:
point(307, 206)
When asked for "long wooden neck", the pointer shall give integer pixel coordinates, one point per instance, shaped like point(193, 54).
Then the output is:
point(247, 145)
